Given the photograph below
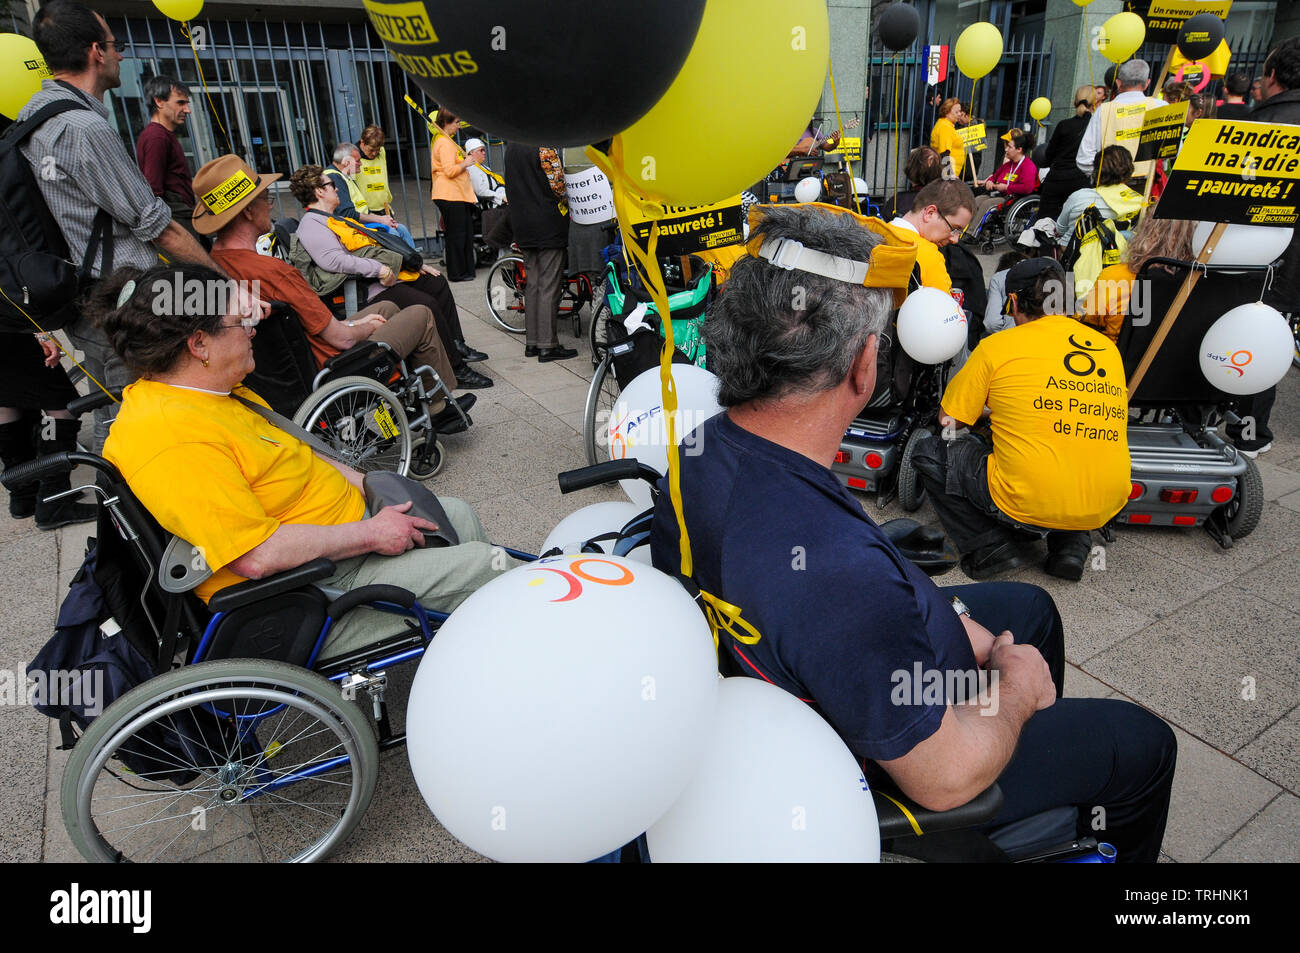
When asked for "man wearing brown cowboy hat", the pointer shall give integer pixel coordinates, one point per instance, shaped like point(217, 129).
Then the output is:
point(234, 206)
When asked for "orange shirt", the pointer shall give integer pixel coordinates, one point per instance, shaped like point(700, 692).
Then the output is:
point(450, 183)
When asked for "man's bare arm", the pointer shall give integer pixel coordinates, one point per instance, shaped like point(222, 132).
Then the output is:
point(179, 245)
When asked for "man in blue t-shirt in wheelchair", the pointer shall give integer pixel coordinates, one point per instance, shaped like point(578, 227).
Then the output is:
point(916, 680)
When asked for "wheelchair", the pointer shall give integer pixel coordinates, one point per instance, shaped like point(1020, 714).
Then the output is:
point(620, 357)
point(248, 744)
point(1185, 471)
point(507, 283)
point(365, 403)
point(1002, 224)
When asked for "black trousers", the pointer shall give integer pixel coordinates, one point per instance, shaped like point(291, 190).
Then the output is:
point(1111, 759)
point(1258, 407)
point(457, 222)
point(435, 294)
point(1056, 188)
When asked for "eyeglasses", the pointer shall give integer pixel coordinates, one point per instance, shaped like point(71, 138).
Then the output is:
point(248, 324)
point(115, 44)
point(328, 184)
point(952, 229)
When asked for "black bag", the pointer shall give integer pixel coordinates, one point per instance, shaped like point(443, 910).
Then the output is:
point(412, 260)
point(967, 287)
point(39, 281)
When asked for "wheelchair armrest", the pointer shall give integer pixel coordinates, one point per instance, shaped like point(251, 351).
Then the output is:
point(255, 590)
point(366, 594)
point(891, 803)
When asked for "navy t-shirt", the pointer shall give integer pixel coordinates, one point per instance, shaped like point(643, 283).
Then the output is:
point(840, 612)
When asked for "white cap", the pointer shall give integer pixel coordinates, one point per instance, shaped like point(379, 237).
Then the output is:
point(475, 144)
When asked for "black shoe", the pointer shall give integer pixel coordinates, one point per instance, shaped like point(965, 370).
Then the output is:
point(67, 511)
point(64, 513)
point(1067, 554)
point(17, 446)
point(448, 420)
point(989, 561)
point(531, 350)
point(468, 354)
point(557, 353)
point(462, 278)
point(471, 379)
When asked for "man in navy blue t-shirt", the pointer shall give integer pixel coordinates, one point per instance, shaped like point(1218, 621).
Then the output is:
point(903, 670)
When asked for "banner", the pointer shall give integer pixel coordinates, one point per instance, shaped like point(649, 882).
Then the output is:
point(850, 147)
point(973, 136)
point(936, 64)
point(1242, 173)
point(1164, 18)
point(1161, 132)
point(690, 229)
point(591, 200)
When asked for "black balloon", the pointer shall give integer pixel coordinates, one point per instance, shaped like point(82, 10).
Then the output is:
point(541, 72)
point(1200, 36)
point(898, 26)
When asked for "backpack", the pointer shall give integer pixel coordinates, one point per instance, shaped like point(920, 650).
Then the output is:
point(101, 649)
point(968, 287)
point(1095, 244)
point(38, 280)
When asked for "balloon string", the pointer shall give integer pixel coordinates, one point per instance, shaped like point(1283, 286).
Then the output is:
point(839, 124)
point(40, 330)
point(647, 265)
point(898, 131)
point(185, 32)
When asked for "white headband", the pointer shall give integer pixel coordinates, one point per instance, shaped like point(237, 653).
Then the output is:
point(790, 254)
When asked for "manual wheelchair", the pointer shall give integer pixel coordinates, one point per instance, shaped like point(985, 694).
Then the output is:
point(1002, 224)
point(249, 743)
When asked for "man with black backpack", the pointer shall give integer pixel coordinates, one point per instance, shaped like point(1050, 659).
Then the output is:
point(105, 209)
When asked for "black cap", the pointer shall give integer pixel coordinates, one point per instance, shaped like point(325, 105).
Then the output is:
point(1025, 274)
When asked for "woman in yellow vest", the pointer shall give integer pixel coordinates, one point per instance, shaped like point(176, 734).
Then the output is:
point(945, 139)
point(372, 176)
point(453, 193)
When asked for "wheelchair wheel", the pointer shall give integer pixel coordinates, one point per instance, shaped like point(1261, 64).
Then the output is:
point(911, 493)
point(1295, 333)
point(1019, 217)
point(427, 471)
point(362, 420)
point(1243, 511)
point(601, 397)
point(597, 334)
point(506, 283)
point(276, 767)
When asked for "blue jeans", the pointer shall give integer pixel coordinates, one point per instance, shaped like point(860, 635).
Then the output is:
point(400, 230)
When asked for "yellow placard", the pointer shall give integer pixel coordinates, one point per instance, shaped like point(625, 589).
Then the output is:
point(974, 136)
point(1162, 130)
point(385, 422)
point(687, 229)
point(406, 24)
point(1244, 173)
point(228, 193)
point(850, 147)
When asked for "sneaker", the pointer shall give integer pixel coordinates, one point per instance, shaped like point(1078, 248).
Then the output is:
point(998, 558)
point(1257, 451)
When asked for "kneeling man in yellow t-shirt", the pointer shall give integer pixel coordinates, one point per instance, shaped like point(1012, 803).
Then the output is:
point(1054, 392)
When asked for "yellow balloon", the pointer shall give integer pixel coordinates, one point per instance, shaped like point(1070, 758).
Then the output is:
point(1082, 3)
point(700, 143)
point(181, 10)
point(1040, 108)
point(21, 70)
point(978, 49)
point(1121, 36)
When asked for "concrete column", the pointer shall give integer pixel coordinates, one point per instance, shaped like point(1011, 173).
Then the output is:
point(850, 23)
point(1072, 49)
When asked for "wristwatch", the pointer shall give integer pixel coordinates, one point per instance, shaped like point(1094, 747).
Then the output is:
point(959, 607)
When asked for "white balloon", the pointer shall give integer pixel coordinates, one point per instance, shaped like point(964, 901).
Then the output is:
point(775, 784)
point(808, 190)
point(591, 521)
point(1243, 244)
point(860, 186)
point(557, 714)
point(931, 326)
point(1248, 350)
point(637, 428)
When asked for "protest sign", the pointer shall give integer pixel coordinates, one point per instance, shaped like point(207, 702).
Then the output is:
point(1161, 132)
point(591, 200)
point(1242, 173)
point(689, 229)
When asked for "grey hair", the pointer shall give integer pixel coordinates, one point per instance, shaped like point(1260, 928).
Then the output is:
point(160, 87)
point(1134, 73)
point(343, 150)
point(777, 332)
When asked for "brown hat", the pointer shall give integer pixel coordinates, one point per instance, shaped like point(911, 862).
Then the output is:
point(224, 188)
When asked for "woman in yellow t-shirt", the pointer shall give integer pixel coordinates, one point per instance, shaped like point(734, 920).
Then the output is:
point(453, 193)
point(254, 499)
point(944, 137)
point(1107, 302)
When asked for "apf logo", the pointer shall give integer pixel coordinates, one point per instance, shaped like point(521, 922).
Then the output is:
point(576, 573)
point(1085, 351)
point(623, 431)
point(1235, 361)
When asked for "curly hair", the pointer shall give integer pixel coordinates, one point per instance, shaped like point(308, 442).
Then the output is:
point(150, 331)
point(1284, 64)
point(372, 136)
point(1159, 238)
point(304, 183)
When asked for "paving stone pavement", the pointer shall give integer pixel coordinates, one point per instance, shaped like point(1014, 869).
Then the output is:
point(1204, 637)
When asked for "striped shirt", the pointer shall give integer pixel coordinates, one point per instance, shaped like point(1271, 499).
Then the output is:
point(82, 166)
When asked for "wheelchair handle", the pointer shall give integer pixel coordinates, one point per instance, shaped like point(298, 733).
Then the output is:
point(55, 463)
point(93, 401)
point(584, 477)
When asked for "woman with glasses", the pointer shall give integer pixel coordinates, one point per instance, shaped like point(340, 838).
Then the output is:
point(327, 250)
point(251, 498)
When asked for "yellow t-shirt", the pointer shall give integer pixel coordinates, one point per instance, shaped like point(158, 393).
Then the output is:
point(944, 137)
point(1059, 410)
point(219, 476)
point(934, 269)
